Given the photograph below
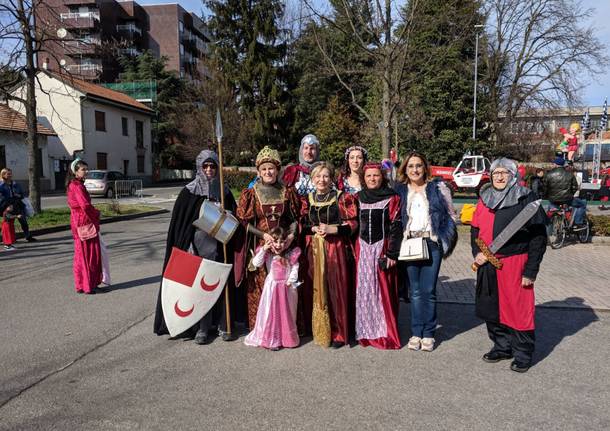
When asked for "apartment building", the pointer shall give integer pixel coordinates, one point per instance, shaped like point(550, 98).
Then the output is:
point(88, 36)
point(179, 35)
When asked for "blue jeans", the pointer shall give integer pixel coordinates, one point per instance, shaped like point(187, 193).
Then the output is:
point(422, 288)
point(580, 209)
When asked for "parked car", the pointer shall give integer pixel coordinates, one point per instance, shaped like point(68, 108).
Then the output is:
point(101, 183)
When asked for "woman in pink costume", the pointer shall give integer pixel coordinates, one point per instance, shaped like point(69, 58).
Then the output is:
point(87, 254)
point(275, 325)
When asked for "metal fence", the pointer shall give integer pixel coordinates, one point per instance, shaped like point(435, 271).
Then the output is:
point(128, 188)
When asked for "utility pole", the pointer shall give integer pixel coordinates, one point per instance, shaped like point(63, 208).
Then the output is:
point(476, 76)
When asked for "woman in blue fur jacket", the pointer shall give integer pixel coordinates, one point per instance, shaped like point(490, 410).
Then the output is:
point(426, 211)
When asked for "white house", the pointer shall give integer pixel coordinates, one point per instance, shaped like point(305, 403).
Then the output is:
point(106, 128)
point(13, 149)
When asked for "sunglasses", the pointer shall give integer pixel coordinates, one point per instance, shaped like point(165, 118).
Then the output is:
point(208, 166)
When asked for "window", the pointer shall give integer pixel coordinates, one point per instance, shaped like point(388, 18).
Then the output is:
point(139, 134)
point(140, 164)
point(180, 26)
point(125, 128)
point(181, 49)
point(100, 121)
point(102, 160)
point(39, 170)
point(2, 157)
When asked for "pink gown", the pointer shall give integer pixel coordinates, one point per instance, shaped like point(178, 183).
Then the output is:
point(277, 311)
point(87, 255)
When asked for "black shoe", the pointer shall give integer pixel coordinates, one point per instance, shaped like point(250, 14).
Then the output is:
point(226, 336)
point(274, 349)
point(337, 344)
point(202, 338)
point(31, 239)
point(495, 356)
point(92, 292)
point(519, 367)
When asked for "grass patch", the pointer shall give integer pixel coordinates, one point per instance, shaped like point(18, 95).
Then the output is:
point(61, 216)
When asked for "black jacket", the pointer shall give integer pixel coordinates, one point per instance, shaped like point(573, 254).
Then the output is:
point(560, 185)
point(537, 186)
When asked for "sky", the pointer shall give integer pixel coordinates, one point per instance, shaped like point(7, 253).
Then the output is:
point(595, 90)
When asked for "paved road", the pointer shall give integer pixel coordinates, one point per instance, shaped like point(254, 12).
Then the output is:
point(91, 362)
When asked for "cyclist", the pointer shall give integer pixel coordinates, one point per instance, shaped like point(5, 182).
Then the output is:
point(561, 187)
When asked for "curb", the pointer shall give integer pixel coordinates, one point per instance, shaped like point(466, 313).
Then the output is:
point(65, 227)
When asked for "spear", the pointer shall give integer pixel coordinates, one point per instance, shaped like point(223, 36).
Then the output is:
point(222, 204)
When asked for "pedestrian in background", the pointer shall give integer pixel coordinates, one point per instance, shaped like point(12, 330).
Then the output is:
point(427, 212)
point(11, 194)
point(537, 184)
point(85, 225)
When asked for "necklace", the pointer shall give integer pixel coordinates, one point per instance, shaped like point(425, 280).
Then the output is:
point(323, 201)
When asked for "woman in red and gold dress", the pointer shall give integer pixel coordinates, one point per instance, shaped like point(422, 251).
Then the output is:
point(328, 221)
point(265, 206)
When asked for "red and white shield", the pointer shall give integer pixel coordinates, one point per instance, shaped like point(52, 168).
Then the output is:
point(191, 286)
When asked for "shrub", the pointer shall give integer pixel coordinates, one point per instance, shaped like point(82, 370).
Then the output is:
point(600, 225)
point(238, 180)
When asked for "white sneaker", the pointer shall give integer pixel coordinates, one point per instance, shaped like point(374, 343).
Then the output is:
point(414, 343)
point(427, 344)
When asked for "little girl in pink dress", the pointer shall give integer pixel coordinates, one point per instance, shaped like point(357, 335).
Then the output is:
point(277, 311)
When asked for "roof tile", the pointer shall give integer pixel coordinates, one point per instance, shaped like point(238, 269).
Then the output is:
point(13, 121)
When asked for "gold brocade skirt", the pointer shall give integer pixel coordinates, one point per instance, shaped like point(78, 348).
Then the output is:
point(320, 318)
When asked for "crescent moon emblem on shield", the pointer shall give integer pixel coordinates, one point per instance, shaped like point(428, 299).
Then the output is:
point(182, 313)
point(208, 287)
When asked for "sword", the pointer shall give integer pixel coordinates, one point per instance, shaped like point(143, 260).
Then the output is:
point(507, 233)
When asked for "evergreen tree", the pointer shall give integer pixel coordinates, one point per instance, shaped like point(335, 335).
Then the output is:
point(336, 130)
point(251, 48)
point(171, 94)
point(439, 106)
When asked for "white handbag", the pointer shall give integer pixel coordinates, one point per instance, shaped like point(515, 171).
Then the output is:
point(412, 249)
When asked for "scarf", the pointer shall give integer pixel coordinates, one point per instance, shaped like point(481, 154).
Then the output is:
point(509, 196)
point(371, 196)
point(201, 186)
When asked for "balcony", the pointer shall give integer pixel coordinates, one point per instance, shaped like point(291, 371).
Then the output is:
point(78, 20)
point(82, 46)
point(132, 52)
point(130, 29)
point(85, 70)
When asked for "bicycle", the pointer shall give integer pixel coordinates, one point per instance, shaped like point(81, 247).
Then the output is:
point(562, 225)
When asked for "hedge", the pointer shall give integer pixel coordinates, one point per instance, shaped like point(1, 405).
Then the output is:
point(600, 225)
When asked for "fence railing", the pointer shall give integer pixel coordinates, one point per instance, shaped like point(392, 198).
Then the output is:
point(128, 188)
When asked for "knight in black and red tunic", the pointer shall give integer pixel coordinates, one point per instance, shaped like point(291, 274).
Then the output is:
point(505, 297)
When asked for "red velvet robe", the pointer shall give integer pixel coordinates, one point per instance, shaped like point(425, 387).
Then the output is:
point(338, 263)
point(388, 279)
point(87, 255)
point(250, 210)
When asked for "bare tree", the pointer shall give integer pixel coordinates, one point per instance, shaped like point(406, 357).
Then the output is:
point(381, 31)
point(538, 51)
point(20, 43)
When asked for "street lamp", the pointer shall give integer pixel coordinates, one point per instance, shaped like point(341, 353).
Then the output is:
point(477, 27)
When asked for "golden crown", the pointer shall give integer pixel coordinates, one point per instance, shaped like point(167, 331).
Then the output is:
point(268, 155)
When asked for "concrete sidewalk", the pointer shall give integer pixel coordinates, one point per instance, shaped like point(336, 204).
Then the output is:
point(575, 276)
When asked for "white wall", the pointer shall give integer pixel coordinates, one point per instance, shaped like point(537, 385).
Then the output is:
point(58, 107)
point(17, 157)
point(112, 141)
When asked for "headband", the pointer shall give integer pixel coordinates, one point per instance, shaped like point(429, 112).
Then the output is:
point(73, 165)
point(365, 153)
point(372, 166)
